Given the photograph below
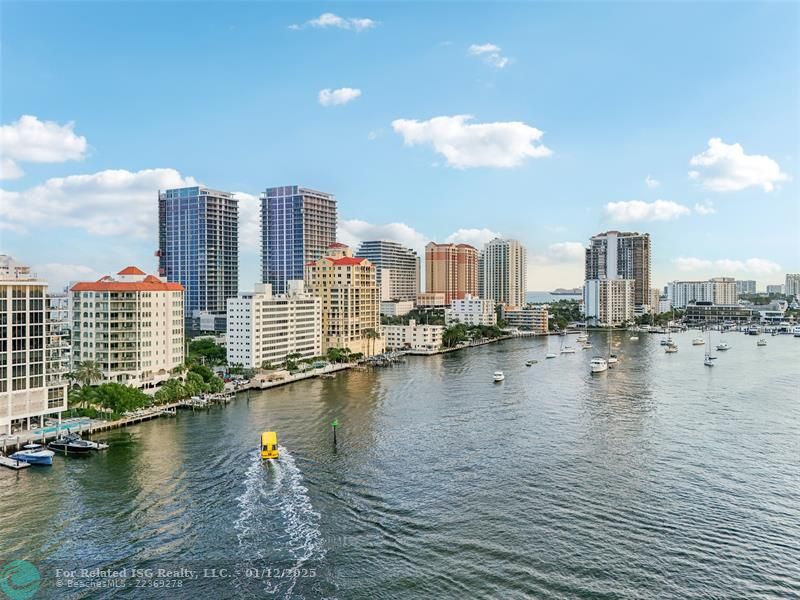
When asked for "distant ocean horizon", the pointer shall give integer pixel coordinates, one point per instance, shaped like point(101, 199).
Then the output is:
point(542, 297)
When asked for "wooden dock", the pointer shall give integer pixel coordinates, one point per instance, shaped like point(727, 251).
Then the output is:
point(11, 463)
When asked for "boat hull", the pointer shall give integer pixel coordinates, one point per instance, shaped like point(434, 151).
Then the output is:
point(40, 457)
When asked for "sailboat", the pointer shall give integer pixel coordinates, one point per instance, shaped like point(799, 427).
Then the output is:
point(566, 349)
point(549, 354)
point(708, 360)
point(612, 358)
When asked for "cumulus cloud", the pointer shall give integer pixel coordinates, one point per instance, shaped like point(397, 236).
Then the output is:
point(651, 183)
point(490, 53)
point(466, 145)
point(326, 20)
point(112, 202)
point(560, 253)
point(706, 207)
point(354, 231)
point(473, 237)
point(752, 266)
point(59, 275)
point(726, 168)
point(638, 210)
point(30, 140)
point(329, 97)
point(249, 221)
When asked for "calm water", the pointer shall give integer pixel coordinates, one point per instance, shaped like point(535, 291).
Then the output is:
point(659, 479)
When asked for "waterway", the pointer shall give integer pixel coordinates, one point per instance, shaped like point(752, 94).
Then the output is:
point(661, 478)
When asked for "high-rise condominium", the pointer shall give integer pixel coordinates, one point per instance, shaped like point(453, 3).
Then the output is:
point(452, 270)
point(792, 285)
point(29, 390)
point(198, 234)
point(396, 268)
point(297, 226)
point(745, 286)
point(504, 265)
point(621, 255)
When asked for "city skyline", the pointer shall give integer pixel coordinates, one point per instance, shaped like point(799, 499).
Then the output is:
point(509, 148)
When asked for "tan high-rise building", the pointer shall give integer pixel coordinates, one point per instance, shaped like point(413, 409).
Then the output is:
point(451, 269)
point(30, 387)
point(609, 302)
point(621, 255)
point(504, 265)
point(350, 297)
point(132, 325)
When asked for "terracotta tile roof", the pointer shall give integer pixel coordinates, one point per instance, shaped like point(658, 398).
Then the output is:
point(131, 271)
point(347, 260)
point(109, 284)
point(338, 245)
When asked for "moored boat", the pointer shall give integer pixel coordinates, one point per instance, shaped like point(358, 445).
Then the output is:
point(598, 364)
point(698, 342)
point(550, 355)
point(35, 454)
point(72, 444)
point(723, 346)
point(498, 376)
point(671, 348)
point(634, 338)
point(761, 342)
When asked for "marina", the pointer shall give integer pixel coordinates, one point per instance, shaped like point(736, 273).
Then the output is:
point(619, 451)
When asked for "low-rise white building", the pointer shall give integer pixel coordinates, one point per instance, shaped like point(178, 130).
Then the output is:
point(529, 318)
point(471, 310)
point(396, 308)
point(265, 329)
point(413, 336)
point(132, 325)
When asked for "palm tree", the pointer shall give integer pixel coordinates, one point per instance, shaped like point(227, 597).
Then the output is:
point(88, 372)
point(371, 336)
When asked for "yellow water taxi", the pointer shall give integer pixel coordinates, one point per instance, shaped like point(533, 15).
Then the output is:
point(269, 445)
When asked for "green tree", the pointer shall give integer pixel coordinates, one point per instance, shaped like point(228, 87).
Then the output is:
point(454, 335)
point(207, 352)
point(88, 372)
point(371, 335)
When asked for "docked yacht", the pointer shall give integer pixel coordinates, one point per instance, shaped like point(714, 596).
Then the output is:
point(498, 376)
point(35, 454)
point(598, 364)
point(72, 444)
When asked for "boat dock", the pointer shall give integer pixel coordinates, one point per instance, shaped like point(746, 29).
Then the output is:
point(11, 463)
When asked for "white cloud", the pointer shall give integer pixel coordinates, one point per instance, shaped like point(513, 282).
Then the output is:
point(651, 183)
point(354, 231)
point(113, 202)
point(490, 53)
point(560, 253)
point(473, 237)
point(638, 210)
point(30, 140)
point(751, 266)
point(326, 20)
point(726, 168)
point(58, 275)
point(329, 97)
point(706, 207)
point(249, 221)
point(466, 145)
point(9, 169)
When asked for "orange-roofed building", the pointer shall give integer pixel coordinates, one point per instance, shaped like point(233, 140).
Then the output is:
point(350, 297)
point(131, 324)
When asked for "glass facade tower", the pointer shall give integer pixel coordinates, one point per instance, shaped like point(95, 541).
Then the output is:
point(198, 234)
point(297, 226)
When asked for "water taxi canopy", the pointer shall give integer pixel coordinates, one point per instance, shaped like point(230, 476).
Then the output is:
point(269, 444)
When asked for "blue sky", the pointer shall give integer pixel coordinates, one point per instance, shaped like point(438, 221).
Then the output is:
point(574, 109)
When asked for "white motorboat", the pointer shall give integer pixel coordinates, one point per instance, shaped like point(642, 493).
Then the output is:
point(612, 359)
point(34, 454)
point(762, 342)
point(708, 361)
point(568, 350)
point(498, 376)
point(598, 364)
point(550, 355)
point(671, 348)
point(582, 337)
point(723, 346)
point(634, 338)
point(698, 342)
point(586, 345)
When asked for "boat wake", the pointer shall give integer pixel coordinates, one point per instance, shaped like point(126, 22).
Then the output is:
point(277, 525)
